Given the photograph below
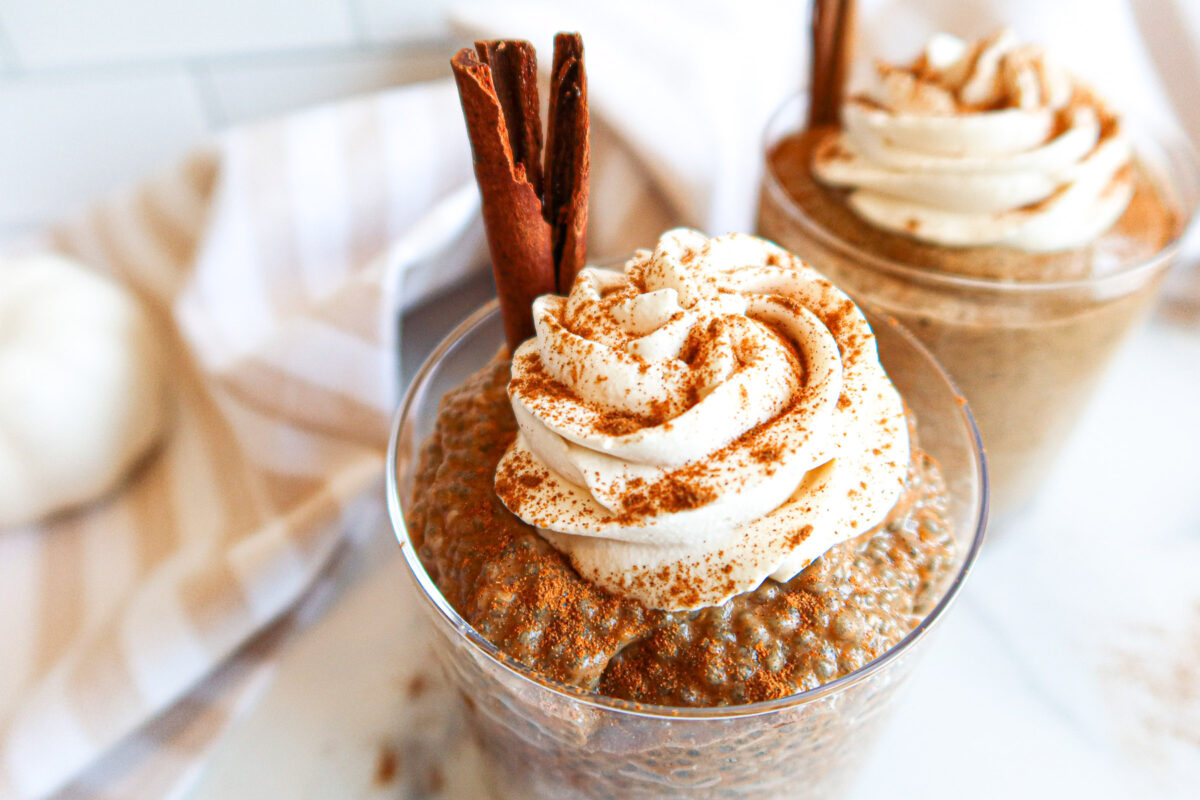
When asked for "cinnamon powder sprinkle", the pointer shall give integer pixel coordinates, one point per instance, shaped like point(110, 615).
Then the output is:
point(767, 453)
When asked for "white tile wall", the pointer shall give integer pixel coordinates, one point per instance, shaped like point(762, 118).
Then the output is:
point(250, 90)
point(56, 33)
point(95, 93)
point(66, 138)
point(389, 20)
point(7, 62)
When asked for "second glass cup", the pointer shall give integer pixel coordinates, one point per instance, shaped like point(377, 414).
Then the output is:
point(543, 739)
point(1027, 354)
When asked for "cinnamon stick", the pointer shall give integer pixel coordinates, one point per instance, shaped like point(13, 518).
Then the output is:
point(568, 160)
point(514, 74)
point(832, 39)
point(518, 235)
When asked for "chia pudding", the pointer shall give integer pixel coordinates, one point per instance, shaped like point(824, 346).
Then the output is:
point(1023, 309)
point(604, 659)
point(852, 604)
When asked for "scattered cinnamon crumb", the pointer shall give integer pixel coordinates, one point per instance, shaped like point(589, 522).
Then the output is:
point(435, 780)
point(767, 453)
point(1160, 679)
point(796, 538)
point(387, 765)
point(417, 686)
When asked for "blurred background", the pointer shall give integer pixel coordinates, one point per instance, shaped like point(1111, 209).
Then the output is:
point(94, 94)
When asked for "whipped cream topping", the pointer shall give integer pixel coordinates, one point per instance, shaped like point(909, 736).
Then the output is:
point(712, 416)
point(991, 143)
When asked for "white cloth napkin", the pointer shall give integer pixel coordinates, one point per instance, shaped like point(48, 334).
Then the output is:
point(275, 261)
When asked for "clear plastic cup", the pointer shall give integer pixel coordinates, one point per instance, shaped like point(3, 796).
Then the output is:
point(541, 738)
point(1026, 354)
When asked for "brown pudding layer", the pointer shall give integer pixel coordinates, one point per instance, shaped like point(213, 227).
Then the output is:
point(1141, 232)
point(1026, 356)
point(850, 606)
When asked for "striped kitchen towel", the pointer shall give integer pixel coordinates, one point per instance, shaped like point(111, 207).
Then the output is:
point(273, 262)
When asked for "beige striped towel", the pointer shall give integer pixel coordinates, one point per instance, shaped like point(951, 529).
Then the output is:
point(275, 262)
point(264, 261)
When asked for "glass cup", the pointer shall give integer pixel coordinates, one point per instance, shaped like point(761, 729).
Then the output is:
point(545, 739)
point(1026, 354)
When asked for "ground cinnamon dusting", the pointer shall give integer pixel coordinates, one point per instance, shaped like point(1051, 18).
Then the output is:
point(767, 453)
point(535, 382)
point(1157, 686)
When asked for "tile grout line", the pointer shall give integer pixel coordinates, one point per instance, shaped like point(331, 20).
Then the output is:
point(200, 74)
point(358, 21)
point(10, 66)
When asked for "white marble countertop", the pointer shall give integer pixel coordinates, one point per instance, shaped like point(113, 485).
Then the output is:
point(1070, 667)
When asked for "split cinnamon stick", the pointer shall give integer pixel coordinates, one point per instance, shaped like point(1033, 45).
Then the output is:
point(518, 237)
point(568, 160)
point(832, 45)
point(514, 74)
point(535, 215)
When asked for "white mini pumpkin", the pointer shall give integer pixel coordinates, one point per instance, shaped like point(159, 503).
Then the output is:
point(82, 386)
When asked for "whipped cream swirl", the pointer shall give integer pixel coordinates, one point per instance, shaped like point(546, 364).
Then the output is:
point(984, 144)
point(712, 416)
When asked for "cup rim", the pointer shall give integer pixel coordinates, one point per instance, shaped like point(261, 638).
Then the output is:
point(1172, 144)
point(433, 596)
